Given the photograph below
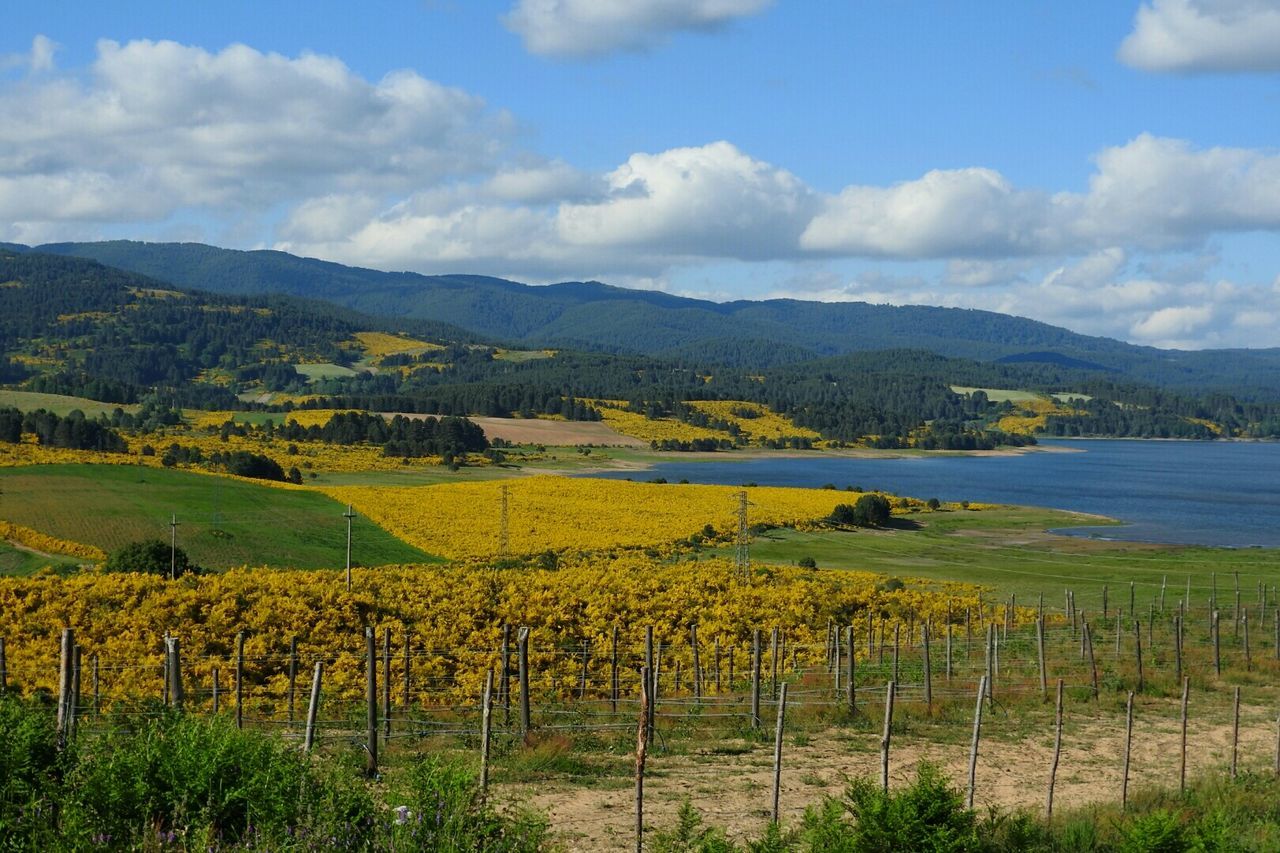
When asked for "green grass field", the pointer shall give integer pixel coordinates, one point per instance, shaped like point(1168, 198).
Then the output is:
point(324, 370)
point(223, 522)
point(1007, 550)
point(29, 401)
point(999, 395)
point(16, 561)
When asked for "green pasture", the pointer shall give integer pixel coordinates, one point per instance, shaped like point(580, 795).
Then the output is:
point(59, 404)
point(999, 395)
point(1007, 550)
point(222, 522)
point(323, 370)
point(16, 561)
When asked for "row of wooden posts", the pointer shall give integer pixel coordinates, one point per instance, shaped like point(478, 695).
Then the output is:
point(174, 694)
point(837, 654)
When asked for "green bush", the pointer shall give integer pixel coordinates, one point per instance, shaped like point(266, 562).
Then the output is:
point(150, 556)
point(29, 766)
point(928, 815)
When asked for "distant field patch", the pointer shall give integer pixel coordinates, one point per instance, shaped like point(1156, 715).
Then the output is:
point(29, 401)
point(999, 395)
point(324, 370)
point(555, 433)
point(223, 522)
point(378, 344)
point(518, 355)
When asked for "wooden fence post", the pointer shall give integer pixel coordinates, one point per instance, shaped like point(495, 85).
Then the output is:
point(1044, 682)
point(977, 733)
point(1057, 752)
point(897, 641)
point(293, 676)
point(1235, 731)
point(948, 652)
point(755, 679)
point(1177, 647)
point(94, 670)
point(407, 694)
point(991, 654)
point(1217, 658)
point(1128, 743)
point(1248, 655)
point(4, 669)
point(1137, 650)
point(240, 679)
point(176, 694)
point(66, 662)
point(614, 683)
point(850, 688)
point(697, 662)
point(1182, 761)
point(371, 701)
point(214, 677)
point(313, 707)
point(884, 737)
point(642, 749)
point(777, 751)
point(386, 682)
point(928, 670)
point(522, 655)
point(773, 664)
point(505, 678)
point(486, 722)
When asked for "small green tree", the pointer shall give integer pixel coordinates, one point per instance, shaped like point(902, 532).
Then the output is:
point(150, 556)
point(868, 511)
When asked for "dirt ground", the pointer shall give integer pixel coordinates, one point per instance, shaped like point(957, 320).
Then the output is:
point(555, 433)
point(730, 782)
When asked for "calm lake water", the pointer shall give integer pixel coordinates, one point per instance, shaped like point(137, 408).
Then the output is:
point(1196, 493)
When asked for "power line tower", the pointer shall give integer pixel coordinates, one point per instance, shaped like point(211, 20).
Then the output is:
point(504, 529)
point(744, 546)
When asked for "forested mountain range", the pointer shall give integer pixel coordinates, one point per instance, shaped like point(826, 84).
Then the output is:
point(746, 334)
point(70, 325)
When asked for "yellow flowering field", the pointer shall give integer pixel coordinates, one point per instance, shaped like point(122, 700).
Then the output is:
point(48, 544)
point(638, 426)
point(460, 520)
point(303, 417)
point(378, 344)
point(452, 614)
point(766, 424)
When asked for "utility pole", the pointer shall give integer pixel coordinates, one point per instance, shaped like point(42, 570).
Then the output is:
point(348, 515)
point(173, 547)
point(504, 528)
point(743, 549)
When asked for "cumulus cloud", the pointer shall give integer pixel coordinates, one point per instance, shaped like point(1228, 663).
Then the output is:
point(585, 28)
point(159, 126)
point(1205, 35)
point(36, 60)
point(970, 212)
point(711, 201)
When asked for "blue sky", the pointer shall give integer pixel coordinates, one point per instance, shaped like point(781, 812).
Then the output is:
point(1112, 167)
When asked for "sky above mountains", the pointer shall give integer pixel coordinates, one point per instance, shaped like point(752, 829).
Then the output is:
point(1112, 167)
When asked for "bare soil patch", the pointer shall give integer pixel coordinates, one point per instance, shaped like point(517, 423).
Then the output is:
point(554, 433)
point(730, 782)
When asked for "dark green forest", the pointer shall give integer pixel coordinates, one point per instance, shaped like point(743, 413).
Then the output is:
point(73, 326)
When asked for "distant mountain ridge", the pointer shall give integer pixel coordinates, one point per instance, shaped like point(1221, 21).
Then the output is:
point(592, 315)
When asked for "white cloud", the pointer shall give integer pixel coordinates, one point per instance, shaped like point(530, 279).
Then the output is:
point(971, 212)
point(584, 28)
point(710, 201)
point(1171, 326)
point(160, 127)
point(36, 60)
point(1205, 35)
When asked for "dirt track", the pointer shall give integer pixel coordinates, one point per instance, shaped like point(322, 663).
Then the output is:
point(733, 790)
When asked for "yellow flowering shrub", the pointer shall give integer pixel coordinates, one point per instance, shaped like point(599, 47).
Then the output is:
point(460, 520)
point(378, 344)
point(661, 429)
point(452, 614)
point(766, 424)
point(38, 541)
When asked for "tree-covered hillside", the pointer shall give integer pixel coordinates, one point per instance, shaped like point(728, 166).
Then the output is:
point(590, 315)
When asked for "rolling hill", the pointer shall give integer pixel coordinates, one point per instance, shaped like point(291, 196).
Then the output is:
point(591, 315)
